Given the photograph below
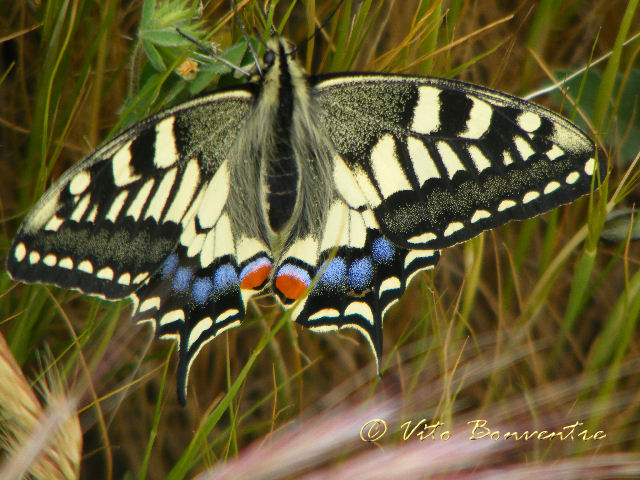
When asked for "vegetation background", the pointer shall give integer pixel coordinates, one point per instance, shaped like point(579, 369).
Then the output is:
point(533, 326)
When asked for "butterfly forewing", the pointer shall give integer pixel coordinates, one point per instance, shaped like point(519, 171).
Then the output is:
point(108, 223)
point(439, 161)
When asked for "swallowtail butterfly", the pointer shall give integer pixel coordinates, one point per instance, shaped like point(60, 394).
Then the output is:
point(330, 192)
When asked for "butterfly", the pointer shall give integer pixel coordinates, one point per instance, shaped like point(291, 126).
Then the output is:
point(329, 192)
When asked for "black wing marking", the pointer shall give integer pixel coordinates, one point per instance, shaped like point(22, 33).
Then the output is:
point(356, 287)
point(347, 275)
point(108, 223)
point(439, 161)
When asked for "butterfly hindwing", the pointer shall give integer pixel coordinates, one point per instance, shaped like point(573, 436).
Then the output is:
point(203, 287)
point(439, 161)
point(356, 287)
point(349, 276)
point(109, 222)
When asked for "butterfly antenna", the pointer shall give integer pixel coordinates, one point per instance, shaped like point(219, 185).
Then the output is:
point(246, 38)
point(210, 52)
point(321, 27)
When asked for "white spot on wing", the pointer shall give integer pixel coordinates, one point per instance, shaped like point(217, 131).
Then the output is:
point(81, 207)
point(422, 238)
point(337, 223)
point(80, 182)
point(116, 206)
point(141, 277)
point(450, 159)
point(346, 184)
point(92, 214)
point(479, 119)
point(323, 328)
point(124, 279)
point(551, 187)
point(505, 204)
point(523, 147)
point(225, 316)
point(50, 260)
point(150, 303)
point(325, 313)
point(141, 198)
point(20, 252)
point(105, 273)
point(357, 230)
point(85, 266)
point(479, 215)
point(215, 197)
point(530, 196)
point(247, 247)
point(54, 224)
point(423, 165)
point(426, 114)
point(529, 121)
point(572, 178)
point(199, 329)
point(34, 257)
point(479, 160)
point(360, 308)
point(160, 197)
point(386, 167)
point(182, 199)
point(172, 316)
point(452, 228)
point(391, 283)
point(66, 262)
point(226, 327)
point(554, 153)
point(367, 188)
point(413, 255)
point(589, 166)
point(506, 158)
point(224, 238)
point(305, 249)
point(165, 148)
point(121, 166)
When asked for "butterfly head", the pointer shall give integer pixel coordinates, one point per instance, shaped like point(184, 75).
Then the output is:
point(278, 50)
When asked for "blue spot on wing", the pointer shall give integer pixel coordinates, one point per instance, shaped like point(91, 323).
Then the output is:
point(334, 272)
point(201, 290)
point(182, 279)
point(382, 250)
point(360, 274)
point(224, 277)
point(169, 266)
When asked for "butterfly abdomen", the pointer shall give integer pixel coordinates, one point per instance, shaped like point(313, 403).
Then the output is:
point(279, 166)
